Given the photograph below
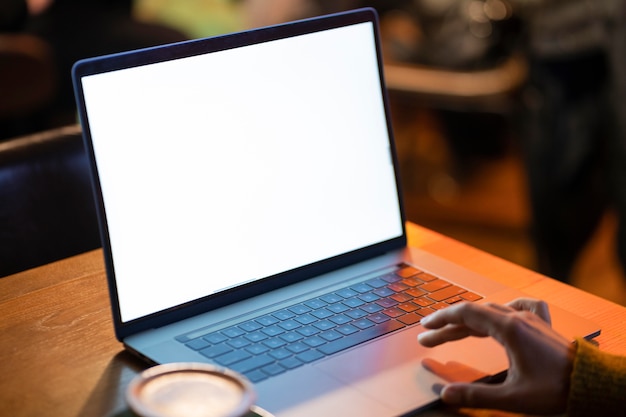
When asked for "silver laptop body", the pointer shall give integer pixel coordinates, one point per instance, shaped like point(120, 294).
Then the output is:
point(239, 176)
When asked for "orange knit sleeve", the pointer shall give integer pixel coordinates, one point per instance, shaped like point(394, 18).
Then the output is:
point(598, 383)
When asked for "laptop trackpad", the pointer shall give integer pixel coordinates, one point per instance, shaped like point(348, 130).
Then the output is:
point(404, 375)
point(308, 391)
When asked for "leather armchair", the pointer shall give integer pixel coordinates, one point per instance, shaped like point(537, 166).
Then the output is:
point(47, 209)
point(28, 83)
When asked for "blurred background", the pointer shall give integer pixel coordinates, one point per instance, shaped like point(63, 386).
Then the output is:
point(506, 112)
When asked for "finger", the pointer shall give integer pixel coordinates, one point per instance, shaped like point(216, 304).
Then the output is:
point(476, 395)
point(453, 371)
point(538, 307)
point(476, 317)
point(503, 308)
point(448, 333)
point(441, 318)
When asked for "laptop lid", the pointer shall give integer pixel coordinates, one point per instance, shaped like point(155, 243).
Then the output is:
point(231, 166)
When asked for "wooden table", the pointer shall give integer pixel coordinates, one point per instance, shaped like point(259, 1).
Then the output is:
point(59, 356)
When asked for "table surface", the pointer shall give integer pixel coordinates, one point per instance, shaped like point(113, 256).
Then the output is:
point(59, 355)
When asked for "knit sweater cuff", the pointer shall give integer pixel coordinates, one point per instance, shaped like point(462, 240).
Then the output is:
point(598, 383)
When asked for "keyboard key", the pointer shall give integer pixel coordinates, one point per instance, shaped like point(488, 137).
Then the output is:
point(412, 282)
point(254, 362)
point(407, 271)
point(340, 319)
point(470, 296)
point(361, 288)
point(401, 297)
point(257, 349)
point(408, 307)
point(238, 342)
point(250, 326)
point(447, 292)
point(426, 277)
point(371, 308)
point(215, 338)
point(347, 329)
point(386, 302)
point(256, 336)
point(338, 308)
point(409, 319)
point(316, 303)
point(363, 323)
point(273, 331)
point(291, 363)
point(398, 287)
point(425, 311)
point(415, 292)
point(299, 309)
point(353, 302)
point(308, 318)
point(324, 325)
point(391, 278)
point(256, 375)
point(297, 347)
point(280, 354)
point(307, 331)
point(290, 337)
point(214, 351)
point(368, 297)
point(356, 314)
point(360, 337)
point(393, 312)
point(383, 292)
point(273, 369)
point(232, 332)
point(267, 320)
point(376, 283)
point(283, 315)
point(310, 356)
point(274, 342)
point(198, 344)
point(347, 293)
point(378, 318)
point(231, 358)
point(331, 298)
point(423, 301)
point(453, 300)
point(330, 335)
point(314, 341)
point(322, 313)
point(289, 324)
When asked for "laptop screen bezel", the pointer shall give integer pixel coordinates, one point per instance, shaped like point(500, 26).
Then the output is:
point(203, 46)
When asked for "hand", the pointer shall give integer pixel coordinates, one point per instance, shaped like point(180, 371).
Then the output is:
point(36, 7)
point(453, 371)
point(540, 360)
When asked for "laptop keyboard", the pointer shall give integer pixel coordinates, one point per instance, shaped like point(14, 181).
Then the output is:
point(307, 331)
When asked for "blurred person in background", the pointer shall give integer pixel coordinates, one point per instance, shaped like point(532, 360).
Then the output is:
point(571, 112)
point(571, 129)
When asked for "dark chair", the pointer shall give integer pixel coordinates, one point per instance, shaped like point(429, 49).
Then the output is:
point(47, 210)
point(27, 84)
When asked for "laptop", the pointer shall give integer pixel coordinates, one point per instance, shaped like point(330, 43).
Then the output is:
point(251, 217)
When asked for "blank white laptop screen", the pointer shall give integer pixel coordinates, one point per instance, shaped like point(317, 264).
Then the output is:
point(224, 168)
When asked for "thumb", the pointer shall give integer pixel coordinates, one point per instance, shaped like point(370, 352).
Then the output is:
point(476, 395)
